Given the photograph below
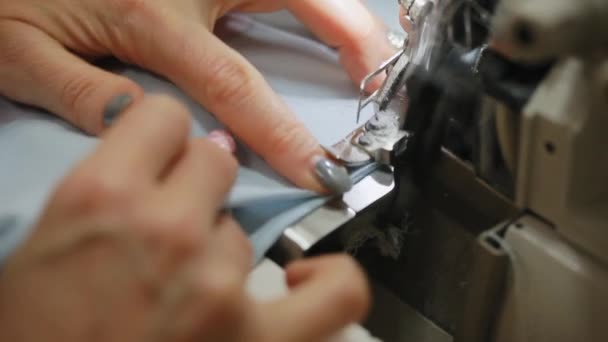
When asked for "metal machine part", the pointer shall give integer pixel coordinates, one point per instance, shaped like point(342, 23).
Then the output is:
point(443, 264)
point(479, 262)
point(301, 237)
point(376, 139)
point(374, 142)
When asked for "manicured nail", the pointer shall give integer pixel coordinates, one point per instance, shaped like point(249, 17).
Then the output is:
point(334, 177)
point(7, 223)
point(115, 107)
point(223, 139)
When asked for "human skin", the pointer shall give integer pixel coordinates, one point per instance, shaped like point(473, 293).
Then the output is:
point(45, 47)
point(134, 245)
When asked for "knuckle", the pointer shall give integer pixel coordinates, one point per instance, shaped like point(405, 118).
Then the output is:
point(129, 6)
point(136, 9)
point(217, 310)
point(223, 297)
point(174, 112)
point(75, 91)
point(86, 192)
point(132, 25)
point(186, 233)
point(224, 163)
point(229, 82)
point(238, 238)
point(180, 234)
point(289, 136)
point(12, 50)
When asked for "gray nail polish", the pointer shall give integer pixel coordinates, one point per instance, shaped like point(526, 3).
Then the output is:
point(7, 223)
point(115, 107)
point(335, 178)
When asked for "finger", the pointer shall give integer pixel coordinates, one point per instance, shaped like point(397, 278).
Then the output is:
point(350, 27)
point(145, 140)
point(230, 246)
point(201, 178)
point(208, 299)
point(223, 140)
point(231, 88)
point(220, 282)
point(328, 293)
point(38, 71)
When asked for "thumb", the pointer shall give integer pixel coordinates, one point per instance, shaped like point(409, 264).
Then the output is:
point(37, 70)
point(327, 294)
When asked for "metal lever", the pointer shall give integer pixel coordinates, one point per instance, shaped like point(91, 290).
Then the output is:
point(364, 100)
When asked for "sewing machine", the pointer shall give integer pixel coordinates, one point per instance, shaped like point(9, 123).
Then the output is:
point(484, 212)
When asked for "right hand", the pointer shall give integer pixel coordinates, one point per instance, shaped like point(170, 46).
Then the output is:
point(134, 245)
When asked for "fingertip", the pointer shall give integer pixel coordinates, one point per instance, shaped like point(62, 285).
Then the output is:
point(360, 36)
point(298, 272)
point(310, 182)
point(223, 140)
point(356, 293)
point(293, 151)
point(306, 177)
point(296, 154)
point(344, 279)
point(113, 96)
point(322, 175)
point(334, 178)
point(367, 54)
point(115, 107)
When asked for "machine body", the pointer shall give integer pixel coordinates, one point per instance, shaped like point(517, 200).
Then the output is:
point(487, 212)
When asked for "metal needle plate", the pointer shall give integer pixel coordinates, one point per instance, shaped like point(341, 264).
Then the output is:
point(300, 237)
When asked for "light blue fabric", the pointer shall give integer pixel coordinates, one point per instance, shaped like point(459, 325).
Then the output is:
point(37, 149)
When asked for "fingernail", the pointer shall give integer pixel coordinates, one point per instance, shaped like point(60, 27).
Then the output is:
point(7, 223)
point(115, 107)
point(223, 139)
point(334, 177)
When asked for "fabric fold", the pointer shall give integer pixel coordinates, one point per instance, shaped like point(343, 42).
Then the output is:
point(37, 149)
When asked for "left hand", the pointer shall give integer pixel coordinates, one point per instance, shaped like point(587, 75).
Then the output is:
point(44, 44)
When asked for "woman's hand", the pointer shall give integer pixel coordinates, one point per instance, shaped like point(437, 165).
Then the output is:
point(44, 45)
point(134, 245)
